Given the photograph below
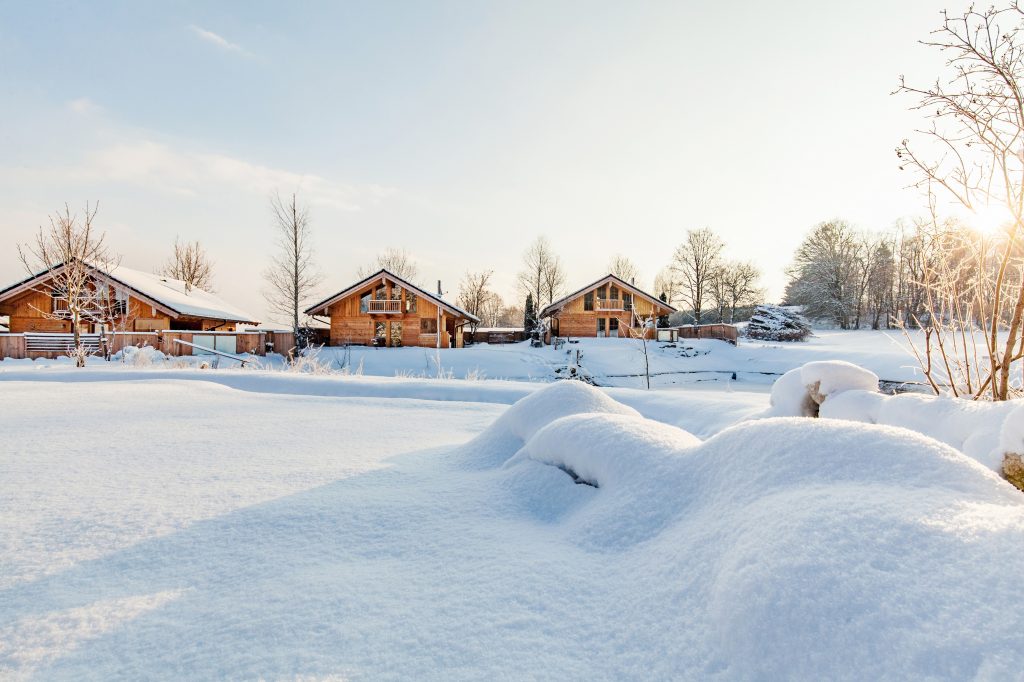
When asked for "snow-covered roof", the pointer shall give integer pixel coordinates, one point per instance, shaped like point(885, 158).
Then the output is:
point(166, 293)
point(321, 307)
point(174, 294)
point(623, 284)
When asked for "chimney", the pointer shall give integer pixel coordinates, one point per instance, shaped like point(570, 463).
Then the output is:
point(439, 292)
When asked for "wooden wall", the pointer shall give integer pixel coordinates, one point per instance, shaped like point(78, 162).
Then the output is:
point(13, 345)
point(350, 326)
point(573, 320)
point(722, 332)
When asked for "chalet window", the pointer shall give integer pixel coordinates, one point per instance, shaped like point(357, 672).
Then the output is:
point(58, 300)
point(410, 302)
point(379, 330)
point(428, 325)
point(120, 308)
point(600, 326)
point(613, 326)
point(627, 301)
point(364, 302)
point(614, 294)
point(588, 300)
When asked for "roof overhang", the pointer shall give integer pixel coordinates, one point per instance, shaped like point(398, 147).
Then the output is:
point(321, 307)
point(554, 307)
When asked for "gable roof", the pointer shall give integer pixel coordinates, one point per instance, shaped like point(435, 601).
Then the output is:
point(321, 307)
point(167, 294)
point(557, 305)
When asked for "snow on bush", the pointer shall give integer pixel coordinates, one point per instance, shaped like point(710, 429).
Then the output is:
point(799, 392)
point(140, 356)
point(776, 323)
point(982, 430)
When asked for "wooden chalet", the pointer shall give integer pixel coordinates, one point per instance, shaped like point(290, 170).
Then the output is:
point(384, 309)
point(608, 307)
point(122, 299)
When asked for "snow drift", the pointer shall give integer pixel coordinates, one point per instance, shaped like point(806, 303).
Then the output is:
point(793, 548)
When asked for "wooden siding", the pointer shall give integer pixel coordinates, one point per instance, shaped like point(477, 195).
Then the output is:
point(349, 325)
point(573, 320)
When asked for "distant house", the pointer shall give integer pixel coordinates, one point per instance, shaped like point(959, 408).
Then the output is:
point(131, 301)
point(384, 309)
point(606, 307)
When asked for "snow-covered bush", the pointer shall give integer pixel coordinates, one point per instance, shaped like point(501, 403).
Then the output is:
point(777, 323)
point(140, 356)
point(800, 392)
point(991, 433)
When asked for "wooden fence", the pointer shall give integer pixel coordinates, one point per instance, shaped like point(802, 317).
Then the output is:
point(721, 332)
point(257, 342)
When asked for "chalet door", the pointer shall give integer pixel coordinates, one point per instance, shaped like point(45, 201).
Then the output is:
point(613, 326)
point(601, 327)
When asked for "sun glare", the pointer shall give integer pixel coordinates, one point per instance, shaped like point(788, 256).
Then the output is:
point(990, 219)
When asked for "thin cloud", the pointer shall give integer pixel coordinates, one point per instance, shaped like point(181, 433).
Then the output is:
point(187, 173)
point(219, 40)
point(83, 105)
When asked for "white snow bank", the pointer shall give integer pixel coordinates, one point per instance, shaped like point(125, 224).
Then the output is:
point(606, 449)
point(532, 413)
point(777, 549)
point(791, 548)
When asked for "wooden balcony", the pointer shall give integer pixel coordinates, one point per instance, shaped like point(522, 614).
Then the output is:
point(378, 305)
point(609, 304)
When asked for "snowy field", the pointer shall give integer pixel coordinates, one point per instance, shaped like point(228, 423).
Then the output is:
point(610, 362)
point(175, 523)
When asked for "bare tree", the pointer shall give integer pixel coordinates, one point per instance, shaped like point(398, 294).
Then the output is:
point(623, 268)
point(976, 114)
point(694, 263)
point(396, 261)
point(734, 284)
point(542, 274)
point(292, 277)
point(492, 309)
point(191, 265)
point(667, 283)
point(824, 273)
point(70, 250)
point(474, 294)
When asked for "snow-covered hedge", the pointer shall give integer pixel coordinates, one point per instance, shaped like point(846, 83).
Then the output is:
point(985, 431)
point(776, 323)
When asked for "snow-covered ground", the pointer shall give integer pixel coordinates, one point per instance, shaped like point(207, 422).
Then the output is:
point(611, 362)
point(179, 523)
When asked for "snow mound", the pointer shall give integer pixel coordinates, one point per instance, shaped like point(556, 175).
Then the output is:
point(535, 411)
point(799, 392)
point(606, 449)
point(792, 548)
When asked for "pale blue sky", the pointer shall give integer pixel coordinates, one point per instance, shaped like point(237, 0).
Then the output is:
point(457, 130)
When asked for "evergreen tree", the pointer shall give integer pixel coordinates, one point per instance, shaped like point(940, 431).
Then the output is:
point(530, 317)
point(663, 319)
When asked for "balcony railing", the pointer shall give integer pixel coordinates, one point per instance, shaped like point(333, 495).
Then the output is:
point(609, 304)
point(384, 305)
